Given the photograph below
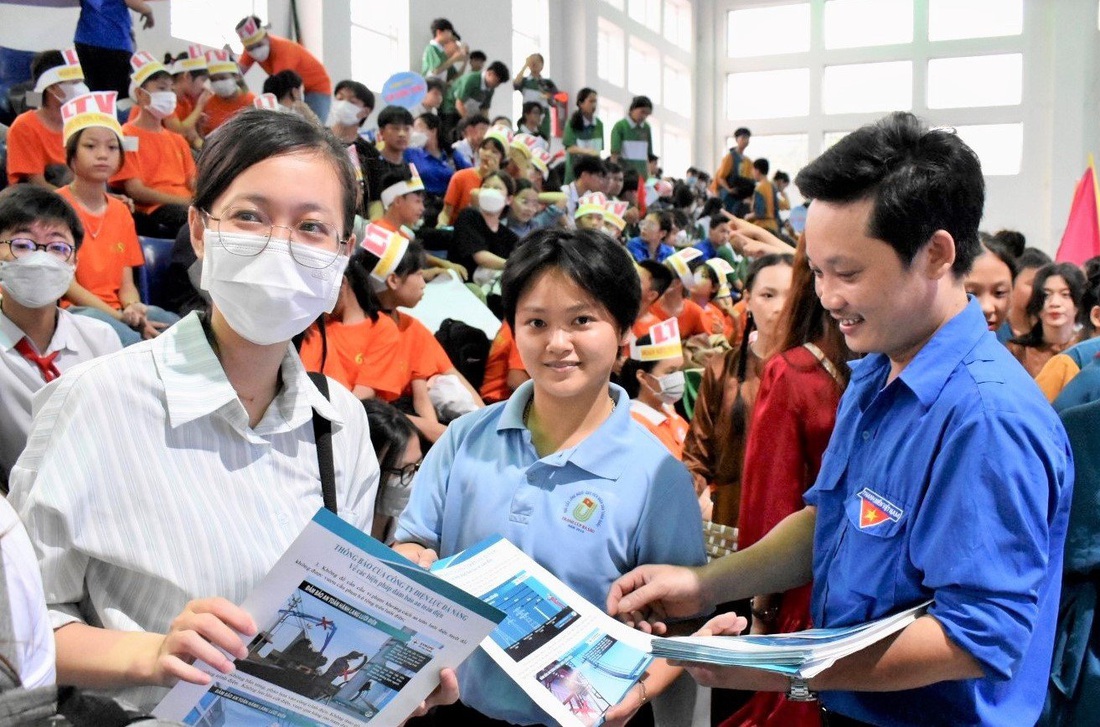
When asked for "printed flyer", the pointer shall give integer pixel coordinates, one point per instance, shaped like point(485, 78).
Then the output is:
point(570, 657)
point(351, 633)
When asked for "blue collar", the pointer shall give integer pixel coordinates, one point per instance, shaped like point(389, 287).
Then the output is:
point(604, 452)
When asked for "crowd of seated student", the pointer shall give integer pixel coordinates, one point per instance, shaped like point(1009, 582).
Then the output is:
point(711, 252)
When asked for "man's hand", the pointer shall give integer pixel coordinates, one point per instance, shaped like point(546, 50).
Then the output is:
point(445, 693)
point(204, 626)
point(622, 712)
point(649, 595)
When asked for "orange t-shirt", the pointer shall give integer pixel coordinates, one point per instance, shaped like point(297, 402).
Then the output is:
point(32, 147)
point(690, 318)
point(184, 107)
point(219, 110)
point(359, 354)
point(503, 357)
point(460, 190)
point(420, 355)
point(286, 55)
point(666, 425)
point(110, 245)
point(162, 162)
point(716, 320)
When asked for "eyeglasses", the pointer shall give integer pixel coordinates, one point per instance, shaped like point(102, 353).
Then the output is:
point(320, 241)
point(21, 246)
point(405, 474)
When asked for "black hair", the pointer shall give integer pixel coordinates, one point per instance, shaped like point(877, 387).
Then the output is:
point(716, 220)
point(761, 165)
point(169, 59)
point(74, 142)
point(44, 61)
point(712, 208)
point(441, 24)
point(390, 432)
point(659, 274)
point(1013, 240)
point(781, 176)
point(1092, 289)
point(394, 175)
point(679, 218)
point(1032, 257)
point(254, 135)
point(588, 165)
point(576, 119)
point(478, 55)
point(631, 177)
point(760, 263)
point(435, 84)
point(500, 70)
point(742, 131)
point(1075, 280)
point(664, 220)
point(920, 180)
point(521, 184)
point(682, 195)
point(528, 107)
point(25, 204)
point(357, 89)
point(611, 167)
point(628, 377)
point(430, 120)
point(596, 263)
point(509, 183)
point(358, 276)
point(640, 102)
point(398, 115)
point(497, 146)
point(282, 83)
point(997, 248)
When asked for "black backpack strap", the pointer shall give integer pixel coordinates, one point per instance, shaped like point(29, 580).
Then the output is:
point(322, 435)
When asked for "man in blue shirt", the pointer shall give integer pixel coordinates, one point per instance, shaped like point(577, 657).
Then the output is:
point(650, 243)
point(948, 478)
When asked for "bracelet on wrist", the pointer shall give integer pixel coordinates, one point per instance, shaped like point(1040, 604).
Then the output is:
point(645, 694)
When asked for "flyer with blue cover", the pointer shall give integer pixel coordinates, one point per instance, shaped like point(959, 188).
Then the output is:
point(351, 633)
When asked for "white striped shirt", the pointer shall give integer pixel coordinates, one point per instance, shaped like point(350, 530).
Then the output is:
point(143, 487)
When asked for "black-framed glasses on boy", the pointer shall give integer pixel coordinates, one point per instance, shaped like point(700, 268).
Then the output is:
point(21, 246)
point(405, 474)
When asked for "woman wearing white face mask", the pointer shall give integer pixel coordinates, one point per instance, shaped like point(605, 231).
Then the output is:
point(35, 148)
point(218, 453)
point(482, 242)
point(39, 237)
point(653, 376)
point(230, 97)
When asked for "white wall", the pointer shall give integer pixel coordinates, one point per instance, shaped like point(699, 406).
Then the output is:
point(1060, 110)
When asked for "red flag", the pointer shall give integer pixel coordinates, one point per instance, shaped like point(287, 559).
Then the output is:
point(1081, 240)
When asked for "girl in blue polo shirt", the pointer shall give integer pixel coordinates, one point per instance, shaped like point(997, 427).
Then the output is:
point(519, 468)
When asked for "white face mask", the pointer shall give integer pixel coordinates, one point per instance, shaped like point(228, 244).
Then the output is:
point(345, 113)
point(71, 90)
point(162, 104)
point(418, 139)
point(681, 238)
point(225, 88)
point(671, 387)
point(261, 52)
point(36, 280)
point(268, 298)
point(490, 200)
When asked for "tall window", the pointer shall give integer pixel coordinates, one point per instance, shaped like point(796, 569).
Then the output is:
point(610, 52)
point(678, 23)
point(379, 41)
point(675, 152)
point(644, 69)
point(646, 12)
point(211, 22)
point(530, 34)
point(678, 88)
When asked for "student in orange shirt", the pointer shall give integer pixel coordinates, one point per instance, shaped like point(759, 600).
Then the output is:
point(711, 292)
point(34, 140)
point(653, 377)
point(421, 359)
point(230, 95)
point(674, 304)
point(104, 285)
point(160, 175)
point(191, 82)
point(275, 54)
point(459, 196)
point(504, 369)
point(359, 346)
point(655, 279)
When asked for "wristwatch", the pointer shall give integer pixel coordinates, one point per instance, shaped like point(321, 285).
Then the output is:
point(798, 690)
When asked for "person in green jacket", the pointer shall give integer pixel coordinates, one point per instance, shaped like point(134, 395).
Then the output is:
point(632, 138)
point(584, 132)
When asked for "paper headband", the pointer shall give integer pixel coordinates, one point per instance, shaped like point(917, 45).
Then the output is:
point(221, 61)
point(723, 270)
point(541, 161)
point(408, 186)
point(590, 203)
point(250, 33)
point(143, 66)
point(96, 109)
point(70, 70)
point(679, 260)
point(195, 61)
point(664, 343)
point(267, 101)
point(614, 211)
point(389, 247)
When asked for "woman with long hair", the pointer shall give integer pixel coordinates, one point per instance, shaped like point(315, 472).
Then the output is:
point(792, 421)
point(1056, 307)
point(583, 132)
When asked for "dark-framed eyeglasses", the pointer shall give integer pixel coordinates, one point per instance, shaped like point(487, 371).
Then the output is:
point(319, 240)
point(21, 246)
point(405, 474)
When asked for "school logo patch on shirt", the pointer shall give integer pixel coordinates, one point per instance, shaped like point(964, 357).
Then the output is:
point(875, 509)
point(584, 512)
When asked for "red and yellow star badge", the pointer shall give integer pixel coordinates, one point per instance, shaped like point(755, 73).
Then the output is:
point(874, 509)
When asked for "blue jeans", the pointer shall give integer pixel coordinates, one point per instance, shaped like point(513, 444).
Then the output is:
point(128, 336)
point(320, 103)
